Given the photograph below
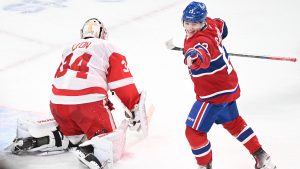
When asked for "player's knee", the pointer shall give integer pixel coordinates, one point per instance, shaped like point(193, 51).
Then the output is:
point(235, 126)
point(195, 138)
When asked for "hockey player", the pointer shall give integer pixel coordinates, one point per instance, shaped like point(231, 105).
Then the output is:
point(79, 102)
point(216, 87)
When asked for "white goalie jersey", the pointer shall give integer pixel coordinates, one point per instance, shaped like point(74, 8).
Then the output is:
point(89, 68)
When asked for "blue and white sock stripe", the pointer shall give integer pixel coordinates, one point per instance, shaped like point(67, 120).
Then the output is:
point(245, 135)
point(202, 151)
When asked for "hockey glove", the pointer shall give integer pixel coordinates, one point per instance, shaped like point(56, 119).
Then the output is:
point(134, 120)
point(193, 59)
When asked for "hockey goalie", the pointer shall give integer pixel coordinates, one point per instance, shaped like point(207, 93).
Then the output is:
point(99, 152)
point(89, 68)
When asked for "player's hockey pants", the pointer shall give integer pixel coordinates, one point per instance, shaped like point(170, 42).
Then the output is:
point(203, 115)
point(88, 118)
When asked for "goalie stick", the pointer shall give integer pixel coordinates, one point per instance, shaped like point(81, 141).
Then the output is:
point(171, 46)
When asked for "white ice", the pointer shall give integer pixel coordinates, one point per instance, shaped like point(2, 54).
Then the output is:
point(34, 33)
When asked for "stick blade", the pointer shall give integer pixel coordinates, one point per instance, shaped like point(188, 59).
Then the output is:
point(169, 44)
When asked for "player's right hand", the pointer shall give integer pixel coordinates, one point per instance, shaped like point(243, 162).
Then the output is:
point(193, 59)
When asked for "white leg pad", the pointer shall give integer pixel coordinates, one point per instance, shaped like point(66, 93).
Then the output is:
point(28, 128)
point(57, 142)
point(37, 129)
point(109, 147)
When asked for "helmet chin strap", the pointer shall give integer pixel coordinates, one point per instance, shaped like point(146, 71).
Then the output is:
point(100, 31)
point(203, 25)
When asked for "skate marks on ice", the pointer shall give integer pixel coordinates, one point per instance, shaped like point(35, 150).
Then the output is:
point(36, 161)
point(29, 6)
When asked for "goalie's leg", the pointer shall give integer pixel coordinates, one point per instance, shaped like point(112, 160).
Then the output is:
point(103, 150)
point(29, 143)
point(35, 136)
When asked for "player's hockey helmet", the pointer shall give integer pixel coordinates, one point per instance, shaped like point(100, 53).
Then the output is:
point(195, 12)
point(93, 28)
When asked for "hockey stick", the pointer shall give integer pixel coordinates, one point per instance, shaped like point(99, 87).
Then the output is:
point(171, 46)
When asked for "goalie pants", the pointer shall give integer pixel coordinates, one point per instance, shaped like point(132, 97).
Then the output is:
point(88, 118)
point(201, 118)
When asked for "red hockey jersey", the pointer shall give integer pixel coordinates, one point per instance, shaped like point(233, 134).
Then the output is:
point(89, 68)
point(217, 82)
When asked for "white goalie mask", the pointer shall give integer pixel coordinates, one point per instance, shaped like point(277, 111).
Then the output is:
point(93, 28)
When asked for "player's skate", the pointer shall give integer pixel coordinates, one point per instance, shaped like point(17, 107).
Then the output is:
point(208, 166)
point(263, 160)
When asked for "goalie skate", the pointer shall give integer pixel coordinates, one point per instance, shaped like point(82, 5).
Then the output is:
point(37, 137)
point(87, 157)
point(23, 144)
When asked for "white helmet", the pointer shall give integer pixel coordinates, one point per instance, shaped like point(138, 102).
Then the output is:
point(93, 28)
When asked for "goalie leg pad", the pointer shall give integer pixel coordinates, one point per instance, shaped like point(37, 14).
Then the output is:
point(96, 153)
point(57, 142)
point(108, 148)
point(38, 136)
point(118, 139)
point(28, 128)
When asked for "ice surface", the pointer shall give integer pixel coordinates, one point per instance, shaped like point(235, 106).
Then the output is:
point(34, 33)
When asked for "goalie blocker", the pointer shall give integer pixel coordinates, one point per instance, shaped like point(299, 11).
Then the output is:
point(139, 118)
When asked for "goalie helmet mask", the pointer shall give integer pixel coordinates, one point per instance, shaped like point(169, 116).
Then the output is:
point(195, 12)
point(93, 28)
